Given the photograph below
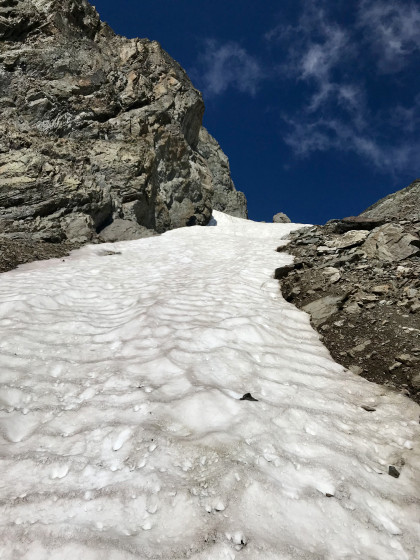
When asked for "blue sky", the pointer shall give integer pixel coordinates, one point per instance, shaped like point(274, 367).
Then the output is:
point(315, 102)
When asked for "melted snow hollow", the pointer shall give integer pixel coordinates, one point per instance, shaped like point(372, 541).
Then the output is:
point(123, 435)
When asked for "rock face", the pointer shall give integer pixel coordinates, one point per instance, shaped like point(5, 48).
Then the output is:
point(225, 197)
point(97, 128)
point(403, 204)
point(359, 279)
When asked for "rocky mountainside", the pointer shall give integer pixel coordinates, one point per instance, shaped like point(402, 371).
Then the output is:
point(403, 205)
point(100, 136)
point(359, 279)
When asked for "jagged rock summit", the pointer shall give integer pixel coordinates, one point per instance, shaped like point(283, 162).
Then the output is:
point(99, 135)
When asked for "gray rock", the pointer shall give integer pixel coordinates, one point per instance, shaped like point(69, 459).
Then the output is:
point(283, 271)
point(281, 218)
point(403, 204)
point(79, 227)
point(330, 270)
point(309, 241)
point(380, 289)
point(415, 381)
point(324, 250)
point(349, 258)
point(332, 273)
point(361, 347)
point(394, 366)
point(406, 359)
point(96, 127)
point(323, 308)
point(411, 293)
point(392, 471)
point(415, 307)
point(390, 243)
point(357, 222)
point(124, 230)
point(353, 308)
point(349, 240)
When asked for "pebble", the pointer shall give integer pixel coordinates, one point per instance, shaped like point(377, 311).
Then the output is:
point(248, 397)
point(411, 292)
point(405, 359)
point(360, 347)
point(330, 270)
point(352, 308)
point(392, 471)
point(380, 289)
point(323, 249)
point(415, 307)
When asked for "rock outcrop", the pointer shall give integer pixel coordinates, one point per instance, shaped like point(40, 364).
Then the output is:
point(281, 218)
point(402, 205)
point(225, 197)
point(359, 279)
point(98, 130)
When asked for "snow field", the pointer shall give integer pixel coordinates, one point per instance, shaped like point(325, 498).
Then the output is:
point(122, 432)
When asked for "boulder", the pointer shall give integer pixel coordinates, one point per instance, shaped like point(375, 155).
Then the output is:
point(323, 308)
point(391, 243)
point(350, 239)
point(281, 218)
point(356, 222)
point(124, 230)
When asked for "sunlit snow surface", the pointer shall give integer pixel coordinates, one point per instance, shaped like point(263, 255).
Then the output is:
point(123, 435)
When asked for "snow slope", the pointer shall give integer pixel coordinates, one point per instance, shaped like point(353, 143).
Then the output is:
point(123, 435)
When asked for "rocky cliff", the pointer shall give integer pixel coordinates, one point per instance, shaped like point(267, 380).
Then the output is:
point(100, 136)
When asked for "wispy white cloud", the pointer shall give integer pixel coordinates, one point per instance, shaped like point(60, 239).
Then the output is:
point(392, 29)
point(336, 113)
point(326, 134)
point(407, 118)
point(228, 65)
point(321, 56)
point(316, 46)
point(331, 62)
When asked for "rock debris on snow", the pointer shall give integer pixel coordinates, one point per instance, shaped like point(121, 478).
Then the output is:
point(248, 397)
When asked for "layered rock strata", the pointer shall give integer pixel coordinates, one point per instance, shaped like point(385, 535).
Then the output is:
point(99, 135)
